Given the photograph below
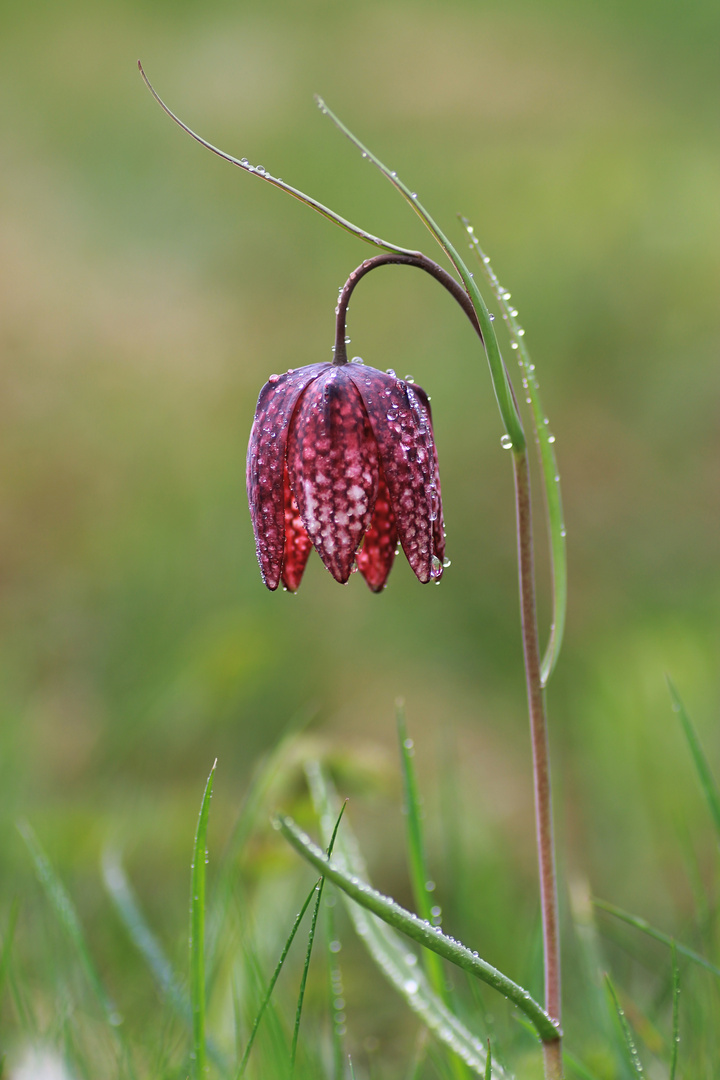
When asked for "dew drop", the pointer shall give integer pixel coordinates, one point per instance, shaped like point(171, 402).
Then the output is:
point(348, 340)
point(513, 344)
point(446, 562)
point(435, 567)
point(273, 378)
point(410, 986)
point(506, 296)
point(413, 194)
point(491, 317)
point(506, 442)
point(357, 360)
point(551, 438)
point(390, 371)
point(430, 886)
point(335, 946)
point(409, 379)
point(521, 332)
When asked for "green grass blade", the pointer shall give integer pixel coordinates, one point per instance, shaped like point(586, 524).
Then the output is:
point(644, 926)
point(197, 931)
point(501, 383)
point(311, 941)
point(417, 859)
point(707, 780)
point(633, 1056)
point(418, 930)
point(146, 942)
point(675, 1013)
point(125, 902)
point(388, 949)
point(260, 784)
point(488, 1063)
point(7, 943)
point(337, 1003)
point(548, 461)
point(271, 985)
point(419, 875)
point(258, 170)
point(26, 1020)
point(68, 917)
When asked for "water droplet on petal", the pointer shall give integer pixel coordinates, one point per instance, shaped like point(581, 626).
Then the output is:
point(391, 372)
point(357, 360)
point(435, 567)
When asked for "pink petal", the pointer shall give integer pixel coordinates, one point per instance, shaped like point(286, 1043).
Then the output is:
point(436, 507)
point(377, 554)
point(333, 467)
point(297, 542)
point(265, 465)
point(401, 431)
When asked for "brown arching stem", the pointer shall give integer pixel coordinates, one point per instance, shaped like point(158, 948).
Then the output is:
point(552, 1048)
point(391, 258)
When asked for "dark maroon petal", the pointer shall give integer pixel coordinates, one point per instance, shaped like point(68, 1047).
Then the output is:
point(401, 432)
point(297, 542)
point(436, 509)
point(333, 467)
point(377, 554)
point(265, 465)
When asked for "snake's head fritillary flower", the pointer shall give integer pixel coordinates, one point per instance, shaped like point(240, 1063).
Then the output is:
point(342, 458)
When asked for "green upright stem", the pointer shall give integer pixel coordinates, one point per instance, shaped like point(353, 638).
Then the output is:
point(552, 1050)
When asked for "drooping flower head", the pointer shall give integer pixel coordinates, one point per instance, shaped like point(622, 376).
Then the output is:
point(342, 457)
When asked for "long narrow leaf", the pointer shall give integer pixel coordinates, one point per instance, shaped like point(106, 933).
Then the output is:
point(633, 1056)
point(416, 847)
point(644, 926)
point(311, 941)
point(501, 383)
point(707, 780)
point(67, 914)
point(431, 937)
point(258, 170)
point(262, 779)
point(197, 931)
point(419, 877)
point(398, 963)
point(337, 1003)
point(675, 1013)
point(271, 985)
point(146, 942)
point(548, 461)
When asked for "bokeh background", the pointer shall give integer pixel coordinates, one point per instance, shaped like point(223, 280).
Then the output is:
point(147, 291)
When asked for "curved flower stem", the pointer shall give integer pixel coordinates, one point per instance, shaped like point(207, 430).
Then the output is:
point(541, 762)
point(410, 259)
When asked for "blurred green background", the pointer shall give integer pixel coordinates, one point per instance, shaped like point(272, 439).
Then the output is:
point(147, 292)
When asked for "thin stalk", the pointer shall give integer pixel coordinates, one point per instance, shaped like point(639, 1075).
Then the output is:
point(422, 262)
point(552, 1050)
